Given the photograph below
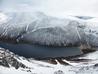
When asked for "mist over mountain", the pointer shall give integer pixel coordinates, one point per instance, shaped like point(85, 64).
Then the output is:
point(56, 8)
point(39, 28)
point(48, 36)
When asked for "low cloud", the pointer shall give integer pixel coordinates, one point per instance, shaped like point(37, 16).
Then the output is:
point(54, 7)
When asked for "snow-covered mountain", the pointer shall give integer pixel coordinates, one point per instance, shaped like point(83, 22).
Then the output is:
point(39, 28)
point(81, 64)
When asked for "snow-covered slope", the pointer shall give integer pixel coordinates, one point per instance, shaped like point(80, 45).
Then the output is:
point(3, 18)
point(38, 28)
point(13, 64)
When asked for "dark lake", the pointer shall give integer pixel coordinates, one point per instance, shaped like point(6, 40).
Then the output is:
point(38, 51)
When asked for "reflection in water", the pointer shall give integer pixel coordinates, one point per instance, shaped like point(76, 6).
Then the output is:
point(37, 51)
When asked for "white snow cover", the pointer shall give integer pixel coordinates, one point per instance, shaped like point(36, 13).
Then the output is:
point(3, 18)
point(39, 28)
point(39, 67)
point(4, 70)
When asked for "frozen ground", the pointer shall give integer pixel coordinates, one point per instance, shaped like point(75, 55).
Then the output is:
point(88, 66)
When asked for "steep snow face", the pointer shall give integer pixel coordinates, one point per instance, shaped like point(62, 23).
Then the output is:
point(38, 28)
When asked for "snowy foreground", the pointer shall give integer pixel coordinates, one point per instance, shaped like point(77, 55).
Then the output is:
point(39, 28)
point(21, 65)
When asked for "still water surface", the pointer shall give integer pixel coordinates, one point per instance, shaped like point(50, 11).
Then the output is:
point(37, 51)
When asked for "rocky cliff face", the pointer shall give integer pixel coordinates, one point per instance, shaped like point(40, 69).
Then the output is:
point(8, 59)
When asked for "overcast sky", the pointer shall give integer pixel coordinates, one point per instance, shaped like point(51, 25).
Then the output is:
point(54, 7)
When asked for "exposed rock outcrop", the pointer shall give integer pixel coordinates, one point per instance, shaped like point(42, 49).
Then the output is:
point(8, 59)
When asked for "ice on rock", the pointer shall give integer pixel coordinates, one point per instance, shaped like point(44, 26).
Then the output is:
point(38, 28)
